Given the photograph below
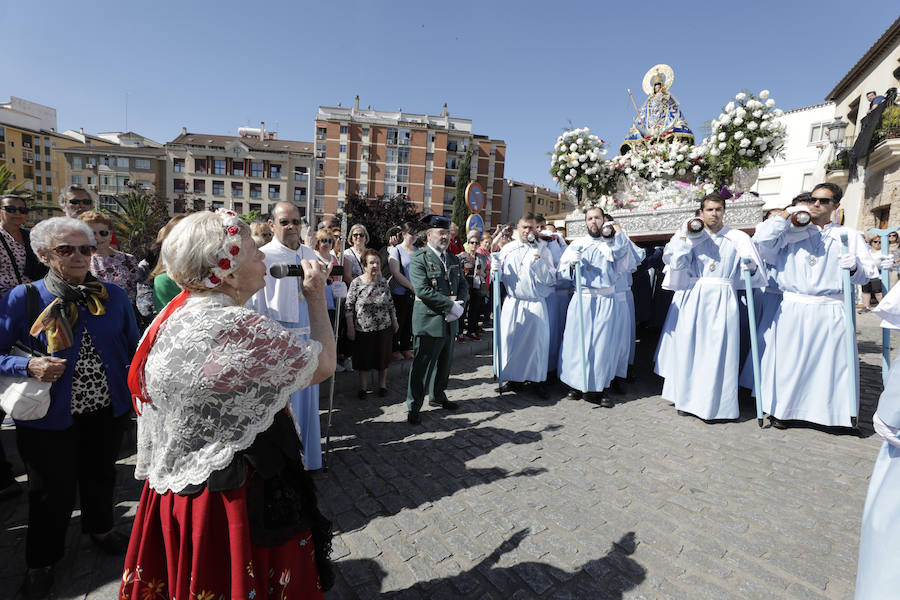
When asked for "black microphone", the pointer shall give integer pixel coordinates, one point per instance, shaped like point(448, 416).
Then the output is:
point(279, 270)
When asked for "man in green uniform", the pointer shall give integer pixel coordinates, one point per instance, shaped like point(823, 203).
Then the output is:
point(441, 292)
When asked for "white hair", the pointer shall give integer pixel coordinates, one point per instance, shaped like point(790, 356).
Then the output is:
point(45, 232)
point(191, 249)
point(359, 227)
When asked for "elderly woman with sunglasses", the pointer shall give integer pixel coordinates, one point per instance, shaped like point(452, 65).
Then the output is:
point(227, 510)
point(107, 263)
point(89, 331)
point(18, 263)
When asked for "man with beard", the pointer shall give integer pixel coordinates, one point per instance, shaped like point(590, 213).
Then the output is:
point(283, 301)
point(441, 291)
point(805, 375)
point(702, 378)
point(603, 261)
point(525, 267)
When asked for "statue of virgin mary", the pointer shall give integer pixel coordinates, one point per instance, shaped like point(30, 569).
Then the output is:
point(660, 117)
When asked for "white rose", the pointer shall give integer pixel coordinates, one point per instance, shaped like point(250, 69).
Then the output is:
point(752, 125)
point(745, 142)
point(738, 121)
point(722, 145)
point(681, 171)
point(770, 103)
point(729, 108)
point(714, 152)
point(764, 94)
point(738, 135)
point(680, 157)
point(628, 171)
point(696, 169)
point(573, 147)
point(568, 178)
point(721, 136)
point(740, 96)
point(573, 172)
point(742, 152)
point(725, 120)
point(579, 141)
point(763, 147)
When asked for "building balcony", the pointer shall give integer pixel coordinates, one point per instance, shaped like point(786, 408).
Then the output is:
point(885, 155)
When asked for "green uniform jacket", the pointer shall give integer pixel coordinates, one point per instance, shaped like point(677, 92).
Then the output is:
point(435, 291)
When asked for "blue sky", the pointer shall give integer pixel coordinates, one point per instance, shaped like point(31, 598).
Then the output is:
point(522, 71)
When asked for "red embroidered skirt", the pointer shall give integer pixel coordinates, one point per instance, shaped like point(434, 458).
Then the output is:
point(199, 547)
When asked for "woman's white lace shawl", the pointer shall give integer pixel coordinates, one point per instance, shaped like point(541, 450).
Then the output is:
point(216, 377)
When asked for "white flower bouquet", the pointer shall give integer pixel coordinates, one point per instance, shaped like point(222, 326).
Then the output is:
point(576, 159)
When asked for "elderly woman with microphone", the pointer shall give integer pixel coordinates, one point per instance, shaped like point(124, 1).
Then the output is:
point(228, 509)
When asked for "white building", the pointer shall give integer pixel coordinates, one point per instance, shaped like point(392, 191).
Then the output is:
point(805, 153)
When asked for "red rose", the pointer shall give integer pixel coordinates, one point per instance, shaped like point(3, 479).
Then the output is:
point(234, 250)
point(233, 230)
point(214, 280)
point(224, 263)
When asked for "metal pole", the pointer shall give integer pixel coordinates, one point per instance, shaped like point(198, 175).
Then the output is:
point(850, 343)
point(580, 304)
point(495, 284)
point(754, 346)
point(337, 319)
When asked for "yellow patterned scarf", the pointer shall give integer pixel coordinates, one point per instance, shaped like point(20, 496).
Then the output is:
point(60, 317)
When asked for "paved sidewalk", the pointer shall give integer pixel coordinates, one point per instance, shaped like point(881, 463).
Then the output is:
point(514, 497)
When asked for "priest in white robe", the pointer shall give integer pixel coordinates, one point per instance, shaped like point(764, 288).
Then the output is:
point(805, 375)
point(526, 270)
point(701, 374)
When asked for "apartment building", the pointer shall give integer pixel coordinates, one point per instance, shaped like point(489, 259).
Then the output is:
point(520, 198)
point(377, 153)
point(248, 172)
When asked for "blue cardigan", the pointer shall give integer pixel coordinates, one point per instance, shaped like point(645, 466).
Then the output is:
point(115, 336)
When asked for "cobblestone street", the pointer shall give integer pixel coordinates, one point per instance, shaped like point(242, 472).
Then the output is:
point(515, 497)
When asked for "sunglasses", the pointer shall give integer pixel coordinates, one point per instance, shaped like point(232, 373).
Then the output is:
point(66, 250)
point(822, 201)
point(326, 241)
point(286, 222)
point(358, 234)
point(85, 201)
point(22, 210)
point(102, 232)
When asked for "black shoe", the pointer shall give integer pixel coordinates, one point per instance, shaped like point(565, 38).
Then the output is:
point(606, 402)
point(361, 394)
point(681, 413)
point(10, 491)
point(382, 392)
point(114, 542)
point(511, 386)
point(540, 391)
point(413, 418)
point(778, 423)
point(616, 386)
point(446, 404)
point(37, 583)
point(573, 395)
point(595, 398)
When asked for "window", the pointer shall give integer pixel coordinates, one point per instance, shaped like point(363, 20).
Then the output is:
point(237, 168)
point(300, 174)
point(365, 131)
point(26, 140)
point(340, 205)
point(320, 186)
point(363, 188)
point(200, 186)
point(540, 201)
point(320, 168)
point(341, 187)
point(769, 185)
point(219, 167)
point(452, 162)
point(76, 179)
point(398, 137)
point(256, 169)
point(431, 138)
point(449, 197)
point(274, 191)
point(321, 132)
point(392, 155)
point(179, 185)
point(451, 146)
point(255, 207)
point(77, 163)
point(2, 134)
point(390, 174)
point(428, 195)
point(218, 188)
point(238, 207)
point(429, 156)
point(256, 190)
point(342, 148)
point(403, 174)
point(817, 133)
point(122, 163)
point(217, 204)
point(319, 204)
point(344, 129)
point(299, 194)
point(403, 156)
point(274, 171)
point(142, 163)
point(390, 189)
point(178, 164)
point(450, 181)
point(320, 149)
point(807, 181)
point(199, 165)
point(237, 189)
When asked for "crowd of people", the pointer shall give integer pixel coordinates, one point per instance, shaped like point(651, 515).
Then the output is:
point(225, 381)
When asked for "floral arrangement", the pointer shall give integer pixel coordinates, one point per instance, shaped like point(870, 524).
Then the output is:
point(576, 158)
point(231, 247)
point(746, 135)
point(660, 160)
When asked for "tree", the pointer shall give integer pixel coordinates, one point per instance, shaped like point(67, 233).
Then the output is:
point(6, 183)
point(460, 208)
point(138, 219)
point(379, 215)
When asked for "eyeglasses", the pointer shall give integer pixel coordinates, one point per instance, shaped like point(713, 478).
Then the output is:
point(822, 201)
point(326, 241)
point(286, 222)
point(102, 232)
point(84, 201)
point(358, 234)
point(22, 210)
point(66, 250)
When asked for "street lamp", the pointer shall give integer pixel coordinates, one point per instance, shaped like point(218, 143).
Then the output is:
point(836, 132)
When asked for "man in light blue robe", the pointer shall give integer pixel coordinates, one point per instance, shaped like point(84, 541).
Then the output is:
point(805, 375)
point(603, 262)
point(701, 374)
point(283, 301)
point(877, 576)
point(625, 296)
point(526, 270)
point(556, 302)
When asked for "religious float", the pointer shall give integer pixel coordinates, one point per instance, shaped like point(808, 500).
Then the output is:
point(656, 181)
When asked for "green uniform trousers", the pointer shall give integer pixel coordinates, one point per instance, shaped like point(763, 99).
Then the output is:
point(430, 370)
